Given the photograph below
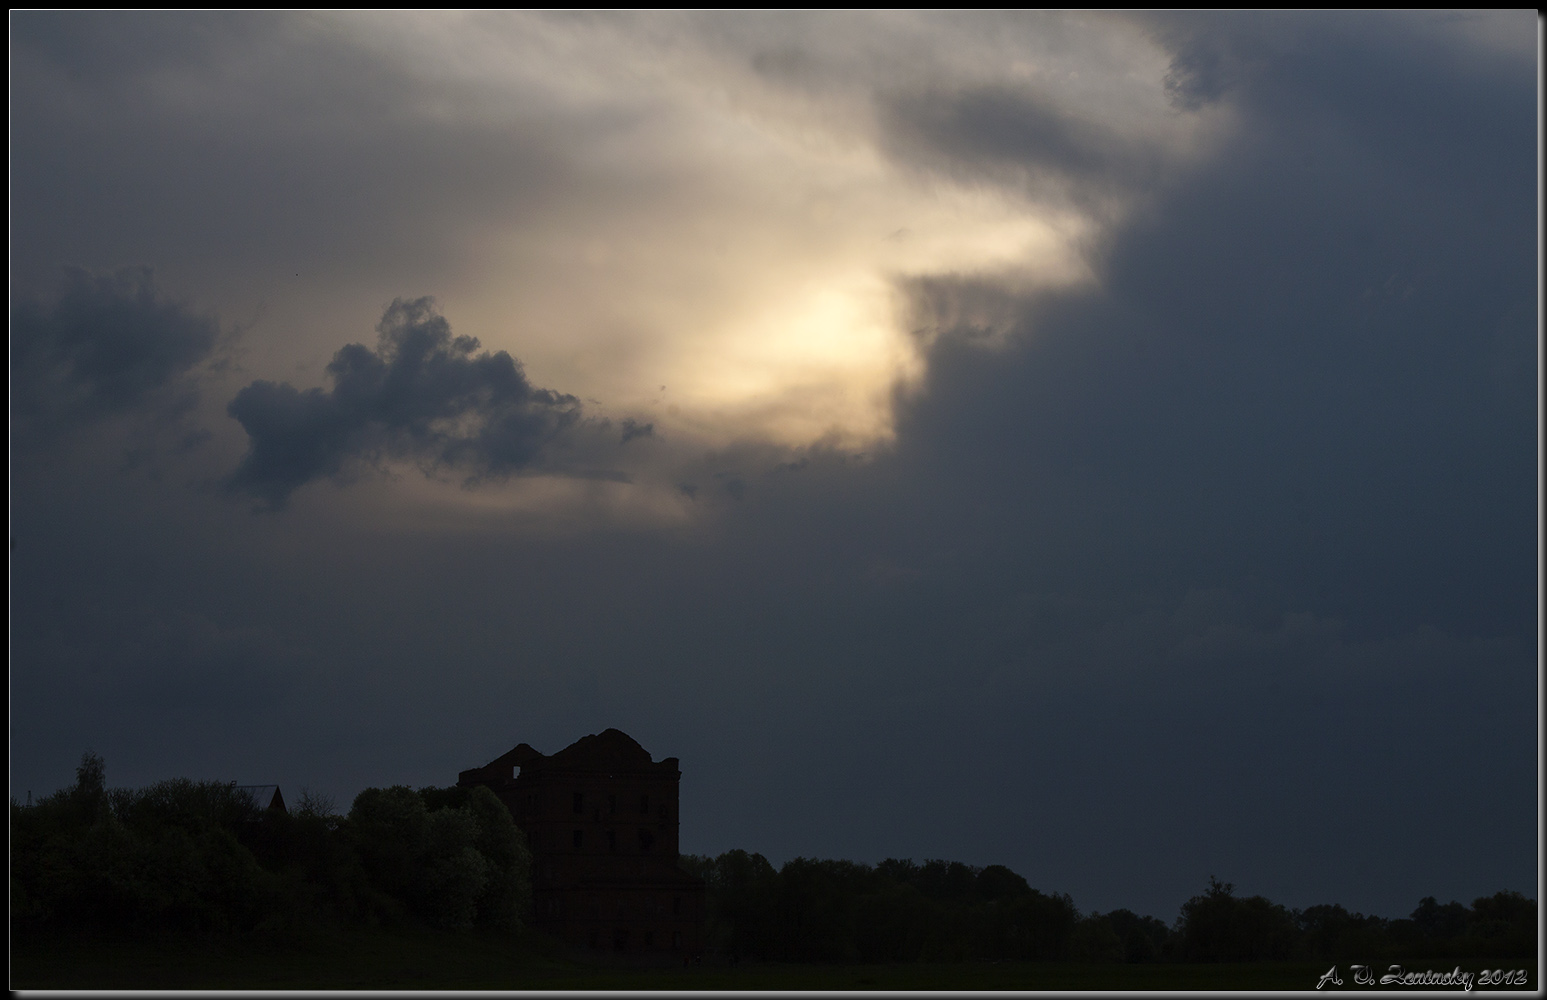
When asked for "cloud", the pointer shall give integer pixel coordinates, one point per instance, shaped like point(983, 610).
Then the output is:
point(535, 184)
point(109, 344)
point(996, 130)
point(633, 429)
point(1295, 362)
point(1183, 549)
point(422, 394)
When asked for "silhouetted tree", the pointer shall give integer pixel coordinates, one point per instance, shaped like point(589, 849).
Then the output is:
point(1040, 925)
point(1504, 925)
point(742, 898)
point(1440, 923)
point(1094, 940)
point(198, 855)
point(997, 883)
point(816, 903)
point(1219, 927)
point(460, 864)
point(891, 922)
point(1144, 939)
point(162, 857)
point(1331, 932)
point(90, 775)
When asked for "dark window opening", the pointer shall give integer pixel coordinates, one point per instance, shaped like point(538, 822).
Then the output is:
point(676, 905)
point(649, 939)
point(612, 805)
point(644, 805)
point(579, 837)
point(646, 839)
point(676, 940)
point(579, 802)
point(612, 840)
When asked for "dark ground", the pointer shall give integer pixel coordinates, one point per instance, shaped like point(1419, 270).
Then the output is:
point(391, 959)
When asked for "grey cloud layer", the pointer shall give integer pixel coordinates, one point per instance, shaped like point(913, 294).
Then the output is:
point(109, 344)
point(1224, 563)
point(422, 394)
point(1307, 355)
point(277, 146)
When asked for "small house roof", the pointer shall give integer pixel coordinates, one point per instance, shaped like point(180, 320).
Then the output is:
point(263, 796)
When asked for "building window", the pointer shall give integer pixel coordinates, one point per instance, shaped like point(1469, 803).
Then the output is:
point(612, 805)
point(676, 905)
point(579, 837)
point(646, 839)
point(579, 802)
point(649, 939)
point(612, 840)
point(644, 805)
point(676, 940)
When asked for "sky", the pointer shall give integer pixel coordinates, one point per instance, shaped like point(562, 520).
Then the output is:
point(1102, 445)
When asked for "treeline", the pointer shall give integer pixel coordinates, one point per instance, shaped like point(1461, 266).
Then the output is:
point(899, 911)
point(199, 856)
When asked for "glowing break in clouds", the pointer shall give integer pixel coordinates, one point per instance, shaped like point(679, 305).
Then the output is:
point(723, 255)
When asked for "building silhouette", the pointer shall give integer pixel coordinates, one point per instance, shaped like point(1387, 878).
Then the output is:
point(262, 797)
point(601, 819)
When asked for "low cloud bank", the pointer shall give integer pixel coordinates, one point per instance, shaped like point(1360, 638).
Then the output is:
point(422, 394)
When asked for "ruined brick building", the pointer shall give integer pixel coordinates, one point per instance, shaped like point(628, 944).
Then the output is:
point(601, 818)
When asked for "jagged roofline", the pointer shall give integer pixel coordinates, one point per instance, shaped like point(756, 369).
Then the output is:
point(611, 747)
point(522, 754)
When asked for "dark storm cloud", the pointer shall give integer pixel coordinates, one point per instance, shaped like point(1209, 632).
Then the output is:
point(1367, 83)
point(422, 394)
point(1224, 563)
point(999, 132)
point(109, 344)
point(1312, 357)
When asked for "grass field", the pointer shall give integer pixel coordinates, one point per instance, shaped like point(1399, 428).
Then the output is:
point(429, 961)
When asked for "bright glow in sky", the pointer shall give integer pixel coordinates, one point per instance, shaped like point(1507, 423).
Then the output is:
point(719, 245)
point(786, 327)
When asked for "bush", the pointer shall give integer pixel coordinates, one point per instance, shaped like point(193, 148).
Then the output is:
point(164, 857)
point(460, 865)
point(1504, 924)
point(1219, 927)
point(198, 856)
point(824, 910)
